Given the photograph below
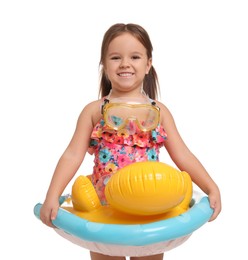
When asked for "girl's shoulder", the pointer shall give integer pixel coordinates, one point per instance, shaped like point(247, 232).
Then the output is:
point(162, 106)
point(94, 102)
point(93, 106)
point(93, 111)
point(165, 114)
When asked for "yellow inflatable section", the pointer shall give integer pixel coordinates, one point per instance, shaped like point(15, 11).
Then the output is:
point(154, 190)
point(149, 188)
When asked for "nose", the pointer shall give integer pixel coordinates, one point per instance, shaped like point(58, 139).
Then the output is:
point(124, 64)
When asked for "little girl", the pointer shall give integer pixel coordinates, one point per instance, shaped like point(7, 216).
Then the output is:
point(121, 135)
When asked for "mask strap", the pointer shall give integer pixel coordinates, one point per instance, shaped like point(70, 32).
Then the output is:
point(105, 101)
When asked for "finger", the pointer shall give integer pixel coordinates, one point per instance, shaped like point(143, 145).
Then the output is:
point(53, 217)
point(47, 220)
point(213, 206)
point(213, 217)
point(216, 212)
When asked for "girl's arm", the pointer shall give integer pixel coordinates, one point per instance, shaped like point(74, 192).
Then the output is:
point(185, 160)
point(69, 162)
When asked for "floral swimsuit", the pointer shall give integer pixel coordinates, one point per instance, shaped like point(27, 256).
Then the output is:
point(114, 149)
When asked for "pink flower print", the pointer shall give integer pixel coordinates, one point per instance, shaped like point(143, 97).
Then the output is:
point(123, 160)
point(140, 155)
point(141, 139)
point(118, 139)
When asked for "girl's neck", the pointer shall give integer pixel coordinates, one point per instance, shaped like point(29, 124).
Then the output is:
point(134, 94)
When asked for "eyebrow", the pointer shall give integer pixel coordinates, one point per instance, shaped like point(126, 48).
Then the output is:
point(133, 53)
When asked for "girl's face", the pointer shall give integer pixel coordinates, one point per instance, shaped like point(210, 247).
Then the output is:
point(126, 64)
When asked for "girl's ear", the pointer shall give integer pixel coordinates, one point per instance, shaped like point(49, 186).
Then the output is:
point(104, 69)
point(149, 65)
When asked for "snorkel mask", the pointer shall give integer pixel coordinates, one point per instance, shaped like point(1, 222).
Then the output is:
point(123, 113)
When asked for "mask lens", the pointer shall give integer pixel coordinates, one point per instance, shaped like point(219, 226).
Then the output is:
point(148, 117)
point(114, 116)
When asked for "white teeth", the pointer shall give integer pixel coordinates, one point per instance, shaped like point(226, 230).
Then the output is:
point(125, 74)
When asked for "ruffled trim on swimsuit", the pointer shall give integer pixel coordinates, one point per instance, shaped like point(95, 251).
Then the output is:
point(139, 138)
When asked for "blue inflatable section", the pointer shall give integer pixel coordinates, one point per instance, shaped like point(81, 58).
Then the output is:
point(136, 234)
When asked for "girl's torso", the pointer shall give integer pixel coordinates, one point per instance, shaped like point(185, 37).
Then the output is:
point(114, 149)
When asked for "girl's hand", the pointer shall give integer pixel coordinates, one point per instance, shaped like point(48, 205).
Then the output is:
point(215, 204)
point(48, 212)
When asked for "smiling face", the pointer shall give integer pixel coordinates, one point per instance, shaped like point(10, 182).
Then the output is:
point(126, 64)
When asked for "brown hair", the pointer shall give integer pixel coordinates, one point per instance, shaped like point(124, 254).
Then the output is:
point(150, 83)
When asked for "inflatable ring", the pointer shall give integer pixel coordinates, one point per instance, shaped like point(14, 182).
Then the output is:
point(121, 233)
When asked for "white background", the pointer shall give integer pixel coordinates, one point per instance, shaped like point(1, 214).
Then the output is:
point(49, 55)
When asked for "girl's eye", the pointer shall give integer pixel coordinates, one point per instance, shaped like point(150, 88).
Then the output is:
point(135, 57)
point(115, 58)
